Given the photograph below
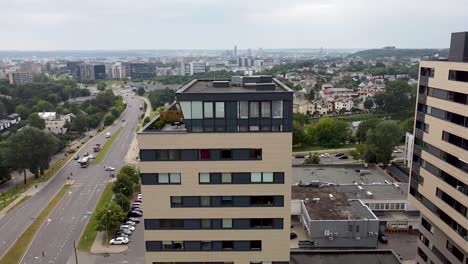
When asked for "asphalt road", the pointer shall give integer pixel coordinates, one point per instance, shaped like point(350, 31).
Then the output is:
point(66, 222)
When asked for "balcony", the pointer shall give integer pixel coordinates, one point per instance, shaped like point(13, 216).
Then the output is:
point(170, 120)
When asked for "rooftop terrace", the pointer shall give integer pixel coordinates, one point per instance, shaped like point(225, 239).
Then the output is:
point(337, 208)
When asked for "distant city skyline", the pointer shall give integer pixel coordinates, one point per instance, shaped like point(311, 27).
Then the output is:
point(214, 24)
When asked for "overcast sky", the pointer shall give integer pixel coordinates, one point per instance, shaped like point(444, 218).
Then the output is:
point(220, 24)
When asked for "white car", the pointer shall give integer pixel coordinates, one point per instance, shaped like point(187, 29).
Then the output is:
point(91, 156)
point(325, 155)
point(126, 231)
point(119, 241)
point(129, 227)
point(109, 168)
point(140, 196)
point(398, 151)
point(108, 135)
point(131, 223)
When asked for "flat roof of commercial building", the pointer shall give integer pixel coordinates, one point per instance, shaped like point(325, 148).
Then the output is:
point(206, 86)
point(339, 174)
point(337, 208)
point(379, 191)
point(344, 256)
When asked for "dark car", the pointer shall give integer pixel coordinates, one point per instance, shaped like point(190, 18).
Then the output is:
point(135, 214)
point(293, 235)
point(343, 157)
point(299, 156)
point(382, 238)
point(134, 219)
point(77, 157)
point(339, 154)
point(119, 234)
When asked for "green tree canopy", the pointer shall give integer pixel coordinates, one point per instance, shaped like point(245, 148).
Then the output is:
point(368, 103)
point(35, 121)
point(131, 172)
point(364, 126)
point(141, 91)
point(109, 218)
point(160, 97)
point(312, 159)
point(398, 99)
point(108, 120)
point(101, 86)
point(123, 185)
point(122, 201)
point(30, 148)
point(381, 140)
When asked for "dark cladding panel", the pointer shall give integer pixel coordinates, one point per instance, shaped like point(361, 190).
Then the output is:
point(459, 47)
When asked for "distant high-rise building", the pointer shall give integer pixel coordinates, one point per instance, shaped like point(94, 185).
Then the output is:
point(191, 68)
point(99, 72)
point(92, 71)
point(20, 78)
point(33, 67)
point(142, 70)
point(245, 62)
point(249, 52)
point(234, 54)
point(73, 68)
point(439, 168)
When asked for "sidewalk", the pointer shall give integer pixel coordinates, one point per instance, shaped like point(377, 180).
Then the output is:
point(99, 248)
point(18, 177)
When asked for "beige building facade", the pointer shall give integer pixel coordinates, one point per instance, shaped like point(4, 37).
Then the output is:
point(439, 169)
point(216, 182)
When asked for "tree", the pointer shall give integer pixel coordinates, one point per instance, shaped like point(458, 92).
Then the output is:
point(3, 111)
point(79, 124)
point(330, 133)
point(407, 125)
point(312, 159)
point(311, 95)
point(101, 86)
point(109, 218)
point(131, 172)
point(122, 201)
point(35, 120)
point(146, 120)
point(368, 103)
point(299, 137)
point(123, 185)
point(43, 106)
point(398, 99)
point(4, 169)
point(141, 91)
point(30, 148)
point(364, 126)
point(22, 110)
point(381, 140)
point(359, 152)
point(108, 120)
point(160, 97)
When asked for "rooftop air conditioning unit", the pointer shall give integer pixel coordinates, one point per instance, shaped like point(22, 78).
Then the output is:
point(370, 194)
point(331, 196)
point(396, 185)
point(316, 199)
point(358, 238)
point(360, 188)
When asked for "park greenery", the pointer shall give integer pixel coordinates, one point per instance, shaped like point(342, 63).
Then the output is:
point(158, 98)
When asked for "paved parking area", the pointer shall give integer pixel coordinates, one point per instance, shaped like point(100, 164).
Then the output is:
point(403, 244)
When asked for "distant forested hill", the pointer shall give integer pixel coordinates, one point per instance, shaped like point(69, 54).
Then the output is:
point(399, 53)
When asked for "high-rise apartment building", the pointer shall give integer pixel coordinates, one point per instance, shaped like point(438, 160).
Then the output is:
point(142, 70)
point(92, 71)
point(192, 68)
point(439, 170)
point(20, 78)
point(216, 174)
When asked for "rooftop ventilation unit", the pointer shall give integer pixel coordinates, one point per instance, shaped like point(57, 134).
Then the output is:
point(360, 188)
point(316, 199)
point(331, 196)
point(221, 84)
point(369, 194)
point(396, 185)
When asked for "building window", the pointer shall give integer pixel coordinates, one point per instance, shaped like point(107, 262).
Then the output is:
point(243, 110)
point(208, 109)
point(256, 177)
point(172, 245)
point(226, 200)
point(206, 223)
point(455, 251)
point(261, 177)
point(197, 110)
point(254, 110)
point(266, 109)
point(256, 245)
point(227, 245)
point(277, 107)
point(226, 154)
point(227, 223)
point(205, 201)
point(219, 109)
point(226, 177)
point(204, 154)
point(204, 177)
point(176, 201)
point(163, 177)
point(206, 245)
point(254, 128)
point(459, 76)
point(186, 107)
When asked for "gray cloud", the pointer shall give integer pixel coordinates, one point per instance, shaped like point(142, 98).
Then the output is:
point(206, 24)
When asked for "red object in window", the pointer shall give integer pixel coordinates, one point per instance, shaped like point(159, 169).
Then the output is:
point(204, 154)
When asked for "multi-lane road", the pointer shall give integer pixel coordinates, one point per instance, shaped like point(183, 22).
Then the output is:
point(54, 240)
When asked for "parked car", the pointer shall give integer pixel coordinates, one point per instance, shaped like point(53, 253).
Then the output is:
point(126, 231)
point(292, 235)
point(140, 196)
point(119, 234)
point(382, 238)
point(299, 156)
point(129, 223)
point(136, 202)
point(77, 157)
point(129, 227)
point(109, 168)
point(133, 219)
point(325, 155)
point(135, 214)
point(343, 157)
point(339, 154)
point(119, 241)
point(86, 154)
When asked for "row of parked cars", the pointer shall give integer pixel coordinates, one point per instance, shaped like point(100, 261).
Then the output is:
point(121, 236)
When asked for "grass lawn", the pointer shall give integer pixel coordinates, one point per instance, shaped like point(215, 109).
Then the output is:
point(16, 252)
point(102, 153)
point(24, 199)
point(89, 234)
point(316, 148)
